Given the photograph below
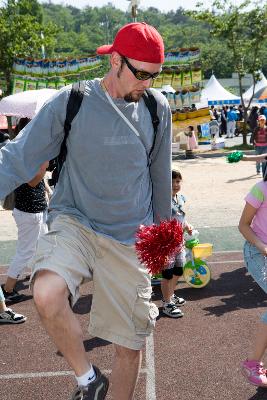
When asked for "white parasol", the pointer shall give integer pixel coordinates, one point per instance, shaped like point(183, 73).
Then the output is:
point(25, 104)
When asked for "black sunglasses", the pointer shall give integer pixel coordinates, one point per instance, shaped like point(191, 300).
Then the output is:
point(140, 75)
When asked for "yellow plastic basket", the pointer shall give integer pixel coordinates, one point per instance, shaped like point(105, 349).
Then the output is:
point(202, 250)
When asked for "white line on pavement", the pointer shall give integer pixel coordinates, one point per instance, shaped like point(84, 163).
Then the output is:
point(51, 374)
point(35, 375)
point(150, 369)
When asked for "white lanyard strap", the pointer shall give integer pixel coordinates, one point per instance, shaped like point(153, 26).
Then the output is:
point(120, 113)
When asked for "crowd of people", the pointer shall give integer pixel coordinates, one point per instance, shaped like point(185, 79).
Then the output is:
point(227, 118)
point(134, 186)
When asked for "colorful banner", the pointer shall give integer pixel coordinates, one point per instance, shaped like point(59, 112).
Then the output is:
point(183, 56)
point(178, 100)
point(18, 85)
point(21, 83)
point(222, 102)
point(41, 84)
point(30, 85)
point(195, 96)
point(167, 75)
point(196, 75)
point(171, 100)
point(53, 67)
point(157, 83)
point(177, 79)
point(185, 98)
point(2, 86)
point(187, 78)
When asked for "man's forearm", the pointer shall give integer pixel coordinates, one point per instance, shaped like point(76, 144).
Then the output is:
point(260, 157)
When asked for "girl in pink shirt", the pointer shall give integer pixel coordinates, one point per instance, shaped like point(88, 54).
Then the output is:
point(253, 226)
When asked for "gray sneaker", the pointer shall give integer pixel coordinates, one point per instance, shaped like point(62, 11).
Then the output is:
point(96, 390)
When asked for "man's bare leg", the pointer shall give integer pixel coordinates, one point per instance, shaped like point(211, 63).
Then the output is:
point(51, 299)
point(126, 368)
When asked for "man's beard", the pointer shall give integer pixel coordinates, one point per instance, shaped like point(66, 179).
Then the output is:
point(130, 97)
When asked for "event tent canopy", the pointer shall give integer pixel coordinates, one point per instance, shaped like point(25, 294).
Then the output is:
point(261, 94)
point(215, 94)
point(262, 83)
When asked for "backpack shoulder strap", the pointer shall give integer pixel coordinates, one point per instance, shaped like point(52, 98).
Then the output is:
point(151, 104)
point(73, 106)
point(74, 103)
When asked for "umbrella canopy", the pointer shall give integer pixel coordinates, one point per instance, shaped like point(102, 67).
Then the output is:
point(25, 104)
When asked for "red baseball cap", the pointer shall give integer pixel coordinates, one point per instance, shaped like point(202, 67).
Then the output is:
point(138, 41)
point(262, 117)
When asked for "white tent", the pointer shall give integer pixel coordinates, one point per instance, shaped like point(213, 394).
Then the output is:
point(214, 93)
point(259, 85)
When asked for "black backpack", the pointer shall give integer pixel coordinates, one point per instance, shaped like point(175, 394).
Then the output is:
point(73, 106)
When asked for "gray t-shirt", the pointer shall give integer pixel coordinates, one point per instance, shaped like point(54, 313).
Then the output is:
point(105, 182)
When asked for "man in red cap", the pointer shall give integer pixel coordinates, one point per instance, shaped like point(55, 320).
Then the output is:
point(116, 177)
point(136, 57)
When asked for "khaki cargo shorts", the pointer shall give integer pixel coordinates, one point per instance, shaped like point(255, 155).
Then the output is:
point(121, 310)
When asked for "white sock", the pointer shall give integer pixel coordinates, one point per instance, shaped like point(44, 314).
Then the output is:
point(88, 377)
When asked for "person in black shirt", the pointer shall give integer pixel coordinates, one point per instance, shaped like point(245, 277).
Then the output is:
point(30, 217)
point(223, 127)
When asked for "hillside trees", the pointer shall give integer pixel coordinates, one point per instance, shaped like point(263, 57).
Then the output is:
point(20, 33)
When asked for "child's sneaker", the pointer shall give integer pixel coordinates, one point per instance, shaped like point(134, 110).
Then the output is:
point(179, 301)
point(172, 310)
point(10, 317)
point(254, 372)
point(13, 296)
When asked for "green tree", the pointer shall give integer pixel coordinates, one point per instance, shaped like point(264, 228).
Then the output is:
point(243, 30)
point(20, 34)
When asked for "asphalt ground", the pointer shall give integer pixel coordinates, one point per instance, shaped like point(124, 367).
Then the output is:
point(196, 357)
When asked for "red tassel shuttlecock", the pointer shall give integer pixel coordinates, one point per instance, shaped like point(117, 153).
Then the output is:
point(156, 245)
